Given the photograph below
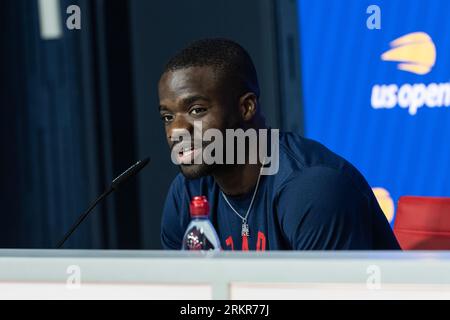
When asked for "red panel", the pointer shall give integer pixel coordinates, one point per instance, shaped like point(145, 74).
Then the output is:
point(423, 223)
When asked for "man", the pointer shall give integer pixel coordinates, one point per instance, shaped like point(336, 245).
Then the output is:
point(316, 200)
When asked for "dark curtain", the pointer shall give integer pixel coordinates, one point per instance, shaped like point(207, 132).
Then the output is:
point(66, 122)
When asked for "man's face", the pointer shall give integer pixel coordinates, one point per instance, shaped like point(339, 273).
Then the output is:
point(195, 94)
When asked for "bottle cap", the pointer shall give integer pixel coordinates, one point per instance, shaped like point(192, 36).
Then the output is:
point(199, 207)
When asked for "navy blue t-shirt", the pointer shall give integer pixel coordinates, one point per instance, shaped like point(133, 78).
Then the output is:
point(316, 201)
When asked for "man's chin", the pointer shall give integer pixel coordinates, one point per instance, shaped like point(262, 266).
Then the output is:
point(195, 171)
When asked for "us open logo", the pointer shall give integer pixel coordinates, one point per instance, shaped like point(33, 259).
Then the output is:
point(415, 53)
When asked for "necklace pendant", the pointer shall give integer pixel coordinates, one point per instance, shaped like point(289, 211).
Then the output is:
point(245, 229)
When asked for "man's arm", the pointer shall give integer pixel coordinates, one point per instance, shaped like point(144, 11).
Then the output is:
point(172, 220)
point(320, 209)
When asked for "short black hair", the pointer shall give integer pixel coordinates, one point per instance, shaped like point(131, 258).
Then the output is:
point(226, 56)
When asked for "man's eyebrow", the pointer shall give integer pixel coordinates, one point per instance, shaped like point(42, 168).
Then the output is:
point(191, 99)
point(187, 101)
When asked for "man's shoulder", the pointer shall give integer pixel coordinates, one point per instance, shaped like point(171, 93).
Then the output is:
point(303, 160)
point(299, 155)
point(304, 153)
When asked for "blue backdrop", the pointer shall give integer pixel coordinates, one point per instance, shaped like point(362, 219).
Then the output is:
point(388, 114)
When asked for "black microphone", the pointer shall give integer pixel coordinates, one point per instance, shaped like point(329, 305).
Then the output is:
point(116, 183)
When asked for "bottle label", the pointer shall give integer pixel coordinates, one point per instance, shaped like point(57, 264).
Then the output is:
point(197, 240)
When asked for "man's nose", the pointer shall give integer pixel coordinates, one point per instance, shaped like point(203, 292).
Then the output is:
point(179, 124)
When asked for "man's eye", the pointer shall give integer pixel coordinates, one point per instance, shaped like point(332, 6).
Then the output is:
point(166, 118)
point(197, 111)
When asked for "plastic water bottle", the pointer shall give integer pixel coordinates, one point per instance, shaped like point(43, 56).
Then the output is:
point(200, 233)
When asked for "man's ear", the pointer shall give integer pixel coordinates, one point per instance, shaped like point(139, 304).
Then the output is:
point(248, 105)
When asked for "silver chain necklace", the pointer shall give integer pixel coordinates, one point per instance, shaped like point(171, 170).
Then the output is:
point(245, 229)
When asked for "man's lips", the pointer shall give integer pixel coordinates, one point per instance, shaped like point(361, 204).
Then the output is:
point(186, 153)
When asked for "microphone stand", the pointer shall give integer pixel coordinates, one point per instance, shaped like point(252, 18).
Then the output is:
point(83, 216)
point(130, 172)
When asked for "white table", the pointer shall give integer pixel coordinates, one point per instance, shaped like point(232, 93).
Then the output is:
point(65, 274)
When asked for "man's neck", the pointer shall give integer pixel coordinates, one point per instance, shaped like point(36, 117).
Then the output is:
point(237, 180)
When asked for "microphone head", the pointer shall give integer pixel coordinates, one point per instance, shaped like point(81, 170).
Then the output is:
point(130, 172)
